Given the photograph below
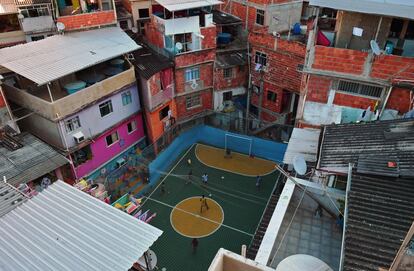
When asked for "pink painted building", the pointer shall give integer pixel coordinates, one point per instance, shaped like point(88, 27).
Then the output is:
point(105, 150)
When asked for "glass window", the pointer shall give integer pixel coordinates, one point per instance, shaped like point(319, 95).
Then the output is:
point(126, 98)
point(260, 58)
point(143, 13)
point(271, 96)
point(228, 73)
point(105, 108)
point(260, 16)
point(192, 101)
point(112, 138)
point(132, 126)
point(164, 112)
point(72, 124)
point(192, 74)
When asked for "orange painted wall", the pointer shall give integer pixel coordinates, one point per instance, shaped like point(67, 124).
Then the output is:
point(155, 126)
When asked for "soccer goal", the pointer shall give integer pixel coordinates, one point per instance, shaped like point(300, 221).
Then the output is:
point(238, 143)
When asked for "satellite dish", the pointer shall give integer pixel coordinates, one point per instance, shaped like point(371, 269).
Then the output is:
point(299, 164)
point(179, 46)
point(375, 48)
point(60, 26)
point(134, 30)
point(302, 262)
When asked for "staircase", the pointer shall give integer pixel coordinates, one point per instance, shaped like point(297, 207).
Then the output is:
point(265, 220)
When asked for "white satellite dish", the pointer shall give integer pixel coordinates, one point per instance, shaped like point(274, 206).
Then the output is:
point(179, 46)
point(302, 262)
point(60, 26)
point(375, 48)
point(134, 30)
point(299, 164)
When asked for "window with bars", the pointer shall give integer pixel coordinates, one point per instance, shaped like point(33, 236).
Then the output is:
point(72, 124)
point(260, 58)
point(228, 73)
point(192, 101)
point(260, 14)
point(359, 89)
point(111, 139)
point(192, 74)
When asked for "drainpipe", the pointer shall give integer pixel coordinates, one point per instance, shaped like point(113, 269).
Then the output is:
point(345, 218)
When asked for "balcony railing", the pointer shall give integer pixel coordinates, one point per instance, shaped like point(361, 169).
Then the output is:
point(161, 97)
point(69, 104)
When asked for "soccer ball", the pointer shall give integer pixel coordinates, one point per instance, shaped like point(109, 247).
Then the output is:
point(222, 177)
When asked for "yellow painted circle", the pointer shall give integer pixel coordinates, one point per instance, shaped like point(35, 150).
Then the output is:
point(188, 220)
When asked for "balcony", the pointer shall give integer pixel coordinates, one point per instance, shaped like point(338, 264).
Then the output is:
point(57, 100)
point(163, 96)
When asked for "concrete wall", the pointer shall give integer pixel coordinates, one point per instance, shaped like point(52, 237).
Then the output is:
point(287, 15)
point(135, 6)
point(43, 128)
point(93, 124)
point(101, 153)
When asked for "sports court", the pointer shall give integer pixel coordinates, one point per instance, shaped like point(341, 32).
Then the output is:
point(235, 205)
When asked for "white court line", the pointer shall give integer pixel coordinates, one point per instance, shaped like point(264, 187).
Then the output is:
point(219, 168)
point(165, 177)
point(198, 216)
point(212, 221)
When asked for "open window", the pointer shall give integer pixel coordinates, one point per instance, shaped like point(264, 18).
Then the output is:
point(82, 155)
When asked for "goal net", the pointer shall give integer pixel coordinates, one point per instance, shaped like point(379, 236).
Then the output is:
point(238, 143)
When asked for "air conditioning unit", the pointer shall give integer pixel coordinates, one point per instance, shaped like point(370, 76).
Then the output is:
point(120, 162)
point(78, 137)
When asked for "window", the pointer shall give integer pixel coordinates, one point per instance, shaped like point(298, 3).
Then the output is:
point(260, 58)
point(143, 13)
point(192, 101)
point(126, 98)
point(192, 74)
point(228, 73)
point(35, 11)
point(123, 25)
point(111, 139)
point(271, 96)
point(105, 108)
point(359, 89)
point(132, 126)
point(164, 112)
point(72, 124)
point(35, 38)
point(260, 14)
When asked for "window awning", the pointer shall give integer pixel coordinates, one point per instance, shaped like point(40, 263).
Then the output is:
point(174, 5)
point(55, 57)
point(393, 8)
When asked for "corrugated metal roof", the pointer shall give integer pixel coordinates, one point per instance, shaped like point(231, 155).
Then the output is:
point(303, 142)
point(148, 62)
point(380, 212)
point(10, 198)
point(391, 139)
point(63, 228)
point(29, 162)
point(222, 18)
point(231, 59)
point(174, 5)
point(54, 57)
point(396, 8)
point(7, 7)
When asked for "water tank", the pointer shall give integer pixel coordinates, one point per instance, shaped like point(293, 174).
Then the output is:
point(223, 38)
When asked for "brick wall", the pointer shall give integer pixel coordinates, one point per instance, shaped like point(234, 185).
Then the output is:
point(391, 67)
point(318, 89)
point(399, 100)
point(339, 60)
point(240, 10)
point(275, 106)
point(206, 78)
point(206, 104)
point(193, 58)
point(210, 34)
point(86, 20)
point(239, 78)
